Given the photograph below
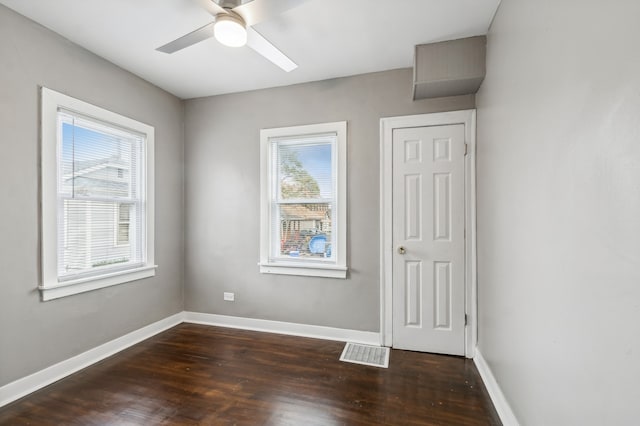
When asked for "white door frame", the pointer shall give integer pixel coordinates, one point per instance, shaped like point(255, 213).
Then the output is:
point(387, 125)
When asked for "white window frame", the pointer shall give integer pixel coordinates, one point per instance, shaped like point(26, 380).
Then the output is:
point(50, 287)
point(337, 269)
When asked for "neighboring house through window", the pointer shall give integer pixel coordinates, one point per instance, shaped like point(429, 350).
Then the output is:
point(303, 207)
point(97, 197)
point(123, 222)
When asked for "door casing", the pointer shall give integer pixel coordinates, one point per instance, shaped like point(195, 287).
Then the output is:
point(387, 125)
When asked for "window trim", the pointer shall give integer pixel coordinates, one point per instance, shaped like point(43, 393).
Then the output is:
point(50, 287)
point(312, 269)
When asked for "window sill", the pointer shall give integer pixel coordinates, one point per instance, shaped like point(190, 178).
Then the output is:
point(326, 271)
point(69, 288)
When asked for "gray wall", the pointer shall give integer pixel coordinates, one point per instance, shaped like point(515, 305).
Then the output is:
point(559, 210)
point(35, 334)
point(223, 199)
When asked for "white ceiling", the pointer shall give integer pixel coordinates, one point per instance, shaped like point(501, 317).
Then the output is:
point(326, 38)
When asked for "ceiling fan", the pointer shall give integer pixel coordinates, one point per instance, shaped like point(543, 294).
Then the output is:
point(233, 27)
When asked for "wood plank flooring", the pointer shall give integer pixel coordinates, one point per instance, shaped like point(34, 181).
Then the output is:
point(201, 375)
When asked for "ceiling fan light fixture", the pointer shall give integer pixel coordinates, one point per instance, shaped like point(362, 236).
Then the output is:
point(230, 30)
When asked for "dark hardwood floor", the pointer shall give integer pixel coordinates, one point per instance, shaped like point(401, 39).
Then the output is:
point(201, 375)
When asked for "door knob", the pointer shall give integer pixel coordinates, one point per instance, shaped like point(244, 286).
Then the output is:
point(402, 250)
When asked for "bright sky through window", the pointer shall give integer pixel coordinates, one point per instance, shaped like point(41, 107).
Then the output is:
point(316, 160)
point(79, 142)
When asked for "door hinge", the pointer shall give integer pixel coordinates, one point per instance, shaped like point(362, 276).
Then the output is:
point(466, 148)
point(465, 320)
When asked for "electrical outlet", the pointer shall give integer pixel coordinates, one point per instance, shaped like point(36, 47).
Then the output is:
point(229, 297)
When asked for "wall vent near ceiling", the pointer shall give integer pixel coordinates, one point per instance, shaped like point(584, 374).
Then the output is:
point(449, 68)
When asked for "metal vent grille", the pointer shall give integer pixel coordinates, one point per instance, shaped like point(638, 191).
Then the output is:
point(375, 356)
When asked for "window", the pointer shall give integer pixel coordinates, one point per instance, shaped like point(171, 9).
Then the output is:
point(303, 203)
point(97, 197)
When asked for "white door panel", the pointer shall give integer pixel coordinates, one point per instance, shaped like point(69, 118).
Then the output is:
point(428, 239)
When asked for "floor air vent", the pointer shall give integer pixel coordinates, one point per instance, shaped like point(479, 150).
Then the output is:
point(375, 356)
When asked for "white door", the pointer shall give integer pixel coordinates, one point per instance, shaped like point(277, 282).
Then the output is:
point(428, 239)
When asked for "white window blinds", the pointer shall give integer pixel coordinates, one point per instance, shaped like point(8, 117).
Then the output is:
point(101, 197)
point(303, 198)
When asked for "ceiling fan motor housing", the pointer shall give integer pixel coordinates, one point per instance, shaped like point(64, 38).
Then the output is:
point(229, 4)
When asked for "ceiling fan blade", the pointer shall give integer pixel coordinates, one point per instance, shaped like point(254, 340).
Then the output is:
point(261, 10)
point(268, 50)
point(192, 38)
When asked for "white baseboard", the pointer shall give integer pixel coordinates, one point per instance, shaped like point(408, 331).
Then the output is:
point(497, 397)
point(293, 329)
point(26, 385)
